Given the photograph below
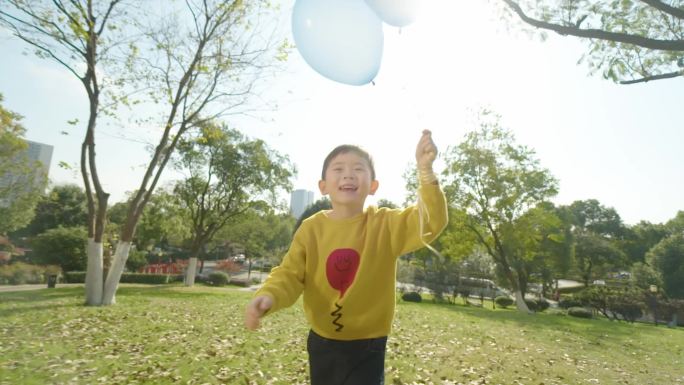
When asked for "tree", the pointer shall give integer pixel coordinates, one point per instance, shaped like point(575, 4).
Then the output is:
point(20, 185)
point(495, 183)
point(197, 63)
point(63, 206)
point(387, 203)
point(164, 222)
point(630, 41)
point(76, 36)
point(667, 257)
point(597, 231)
point(228, 175)
point(555, 255)
point(261, 234)
point(63, 246)
point(676, 224)
point(640, 238)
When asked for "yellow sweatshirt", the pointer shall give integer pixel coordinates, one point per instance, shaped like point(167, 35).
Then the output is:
point(347, 268)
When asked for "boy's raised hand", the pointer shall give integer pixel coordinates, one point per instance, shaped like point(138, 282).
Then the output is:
point(426, 151)
point(256, 309)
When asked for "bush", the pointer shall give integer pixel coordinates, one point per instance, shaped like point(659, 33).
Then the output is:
point(239, 282)
point(412, 296)
point(74, 277)
point(150, 279)
point(531, 304)
point(227, 266)
point(63, 246)
point(580, 312)
point(542, 304)
point(20, 273)
point(136, 260)
point(567, 303)
point(218, 278)
point(503, 302)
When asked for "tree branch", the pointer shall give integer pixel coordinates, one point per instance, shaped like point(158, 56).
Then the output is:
point(663, 45)
point(670, 10)
point(654, 77)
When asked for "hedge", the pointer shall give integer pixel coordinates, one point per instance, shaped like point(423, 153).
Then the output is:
point(151, 279)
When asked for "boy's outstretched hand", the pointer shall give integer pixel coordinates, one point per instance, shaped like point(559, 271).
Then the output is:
point(256, 309)
point(426, 151)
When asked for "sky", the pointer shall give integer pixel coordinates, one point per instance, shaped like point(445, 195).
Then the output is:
point(618, 144)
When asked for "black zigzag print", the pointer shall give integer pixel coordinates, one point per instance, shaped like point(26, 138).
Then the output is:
point(338, 314)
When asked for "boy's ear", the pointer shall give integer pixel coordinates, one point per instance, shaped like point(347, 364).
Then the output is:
point(374, 187)
point(321, 186)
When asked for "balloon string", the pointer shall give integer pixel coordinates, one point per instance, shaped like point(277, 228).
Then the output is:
point(422, 211)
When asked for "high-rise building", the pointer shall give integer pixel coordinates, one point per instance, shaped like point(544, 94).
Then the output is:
point(42, 153)
point(36, 152)
point(299, 201)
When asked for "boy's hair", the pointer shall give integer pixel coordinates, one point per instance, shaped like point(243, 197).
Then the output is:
point(346, 148)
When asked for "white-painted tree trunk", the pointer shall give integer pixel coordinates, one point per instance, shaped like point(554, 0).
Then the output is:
point(520, 302)
point(115, 271)
point(190, 273)
point(93, 280)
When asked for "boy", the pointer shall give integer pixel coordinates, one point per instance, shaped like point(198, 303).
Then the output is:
point(344, 261)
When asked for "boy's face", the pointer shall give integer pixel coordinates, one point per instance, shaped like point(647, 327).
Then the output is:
point(348, 180)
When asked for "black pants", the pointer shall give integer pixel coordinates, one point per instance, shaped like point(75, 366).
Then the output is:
point(357, 362)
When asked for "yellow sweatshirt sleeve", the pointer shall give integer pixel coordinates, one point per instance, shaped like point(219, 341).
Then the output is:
point(285, 283)
point(405, 226)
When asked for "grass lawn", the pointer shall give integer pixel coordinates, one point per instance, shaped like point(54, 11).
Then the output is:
point(173, 334)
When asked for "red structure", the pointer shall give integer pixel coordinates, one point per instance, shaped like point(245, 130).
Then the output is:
point(165, 268)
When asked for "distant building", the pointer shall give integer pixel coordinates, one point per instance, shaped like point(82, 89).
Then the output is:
point(299, 201)
point(36, 152)
point(42, 153)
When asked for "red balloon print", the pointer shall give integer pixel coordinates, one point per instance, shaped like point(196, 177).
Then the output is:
point(341, 268)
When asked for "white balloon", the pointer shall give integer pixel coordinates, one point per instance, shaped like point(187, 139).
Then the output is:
point(398, 13)
point(340, 39)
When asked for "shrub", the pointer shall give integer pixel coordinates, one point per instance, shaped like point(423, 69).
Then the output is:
point(580, 312)
point(150, 279)
point(567, 303)
point(74, 277)
point(218, 278)
point(63, 246)
point(531, 304)
point(503, 302)
point(412, 296)
point(20, 273)
point(228, 266)
point(239, 282)
point(136, 260)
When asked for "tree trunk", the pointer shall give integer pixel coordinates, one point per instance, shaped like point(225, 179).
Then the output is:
point(190, 272)
point(115, 271)
point(520, 302)
point(94, 278)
